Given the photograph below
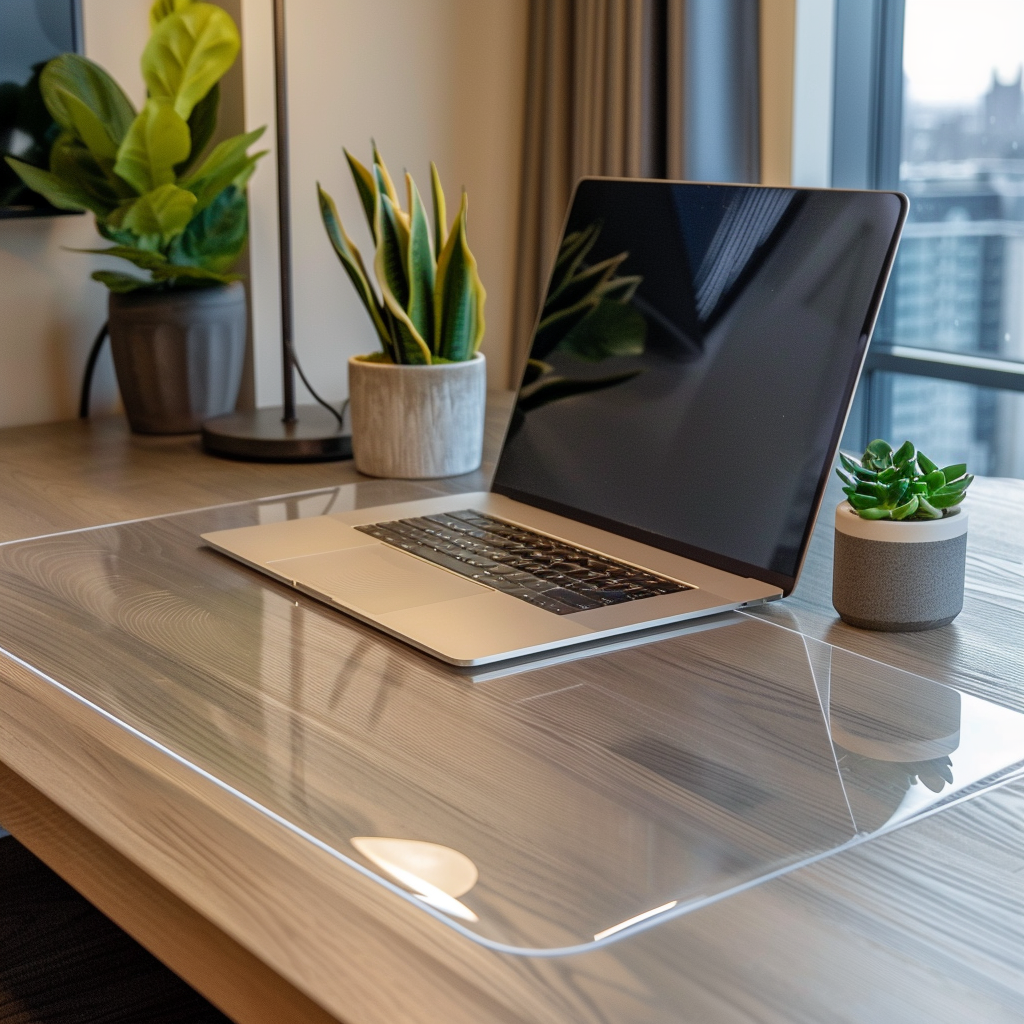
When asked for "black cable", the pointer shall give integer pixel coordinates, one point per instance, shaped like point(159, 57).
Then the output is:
point(339, 416)
point(90, 369)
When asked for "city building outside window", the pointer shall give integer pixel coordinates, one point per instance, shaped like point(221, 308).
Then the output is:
point(936, 109)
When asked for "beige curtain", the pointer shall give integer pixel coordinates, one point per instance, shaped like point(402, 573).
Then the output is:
point(604, 96)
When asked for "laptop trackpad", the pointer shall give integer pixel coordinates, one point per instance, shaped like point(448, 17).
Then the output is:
point(375, 579)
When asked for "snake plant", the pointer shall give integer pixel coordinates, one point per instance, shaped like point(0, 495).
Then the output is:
point(429, 302)
point(183, 224)
point(903, 484)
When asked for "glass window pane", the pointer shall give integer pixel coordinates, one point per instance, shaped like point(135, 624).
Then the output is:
point(959, 280)
point(953, 422)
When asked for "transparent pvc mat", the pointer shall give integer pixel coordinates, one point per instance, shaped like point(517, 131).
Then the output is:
point(539, 808)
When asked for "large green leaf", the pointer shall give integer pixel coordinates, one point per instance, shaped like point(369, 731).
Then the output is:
point(458, 295)
point(224, 166)
point(164, 9)
point(188, 53)
point(65, 195)
point(71, 74)
point(144, 259)
point(72, 162)
point(366, 186)
point(160, 214)
point(420, 268)
point(215, 236)
point(352, 261)
point(89, 129)
point(155, 143)
point(202, 123)
point(120, 283)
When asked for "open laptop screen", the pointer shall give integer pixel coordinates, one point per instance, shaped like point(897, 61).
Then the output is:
point(694, 362)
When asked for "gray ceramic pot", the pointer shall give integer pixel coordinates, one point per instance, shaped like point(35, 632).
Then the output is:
point(178, 355)
point(417, 422)
point(898, 577)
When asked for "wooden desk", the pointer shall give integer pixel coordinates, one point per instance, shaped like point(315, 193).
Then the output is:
point(923, 924)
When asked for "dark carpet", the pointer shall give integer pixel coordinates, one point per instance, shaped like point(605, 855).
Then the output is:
point(63, 962)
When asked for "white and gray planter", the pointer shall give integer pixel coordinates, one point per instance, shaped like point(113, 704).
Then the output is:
point(417, 422)
point(178, 355)
point(898, 576)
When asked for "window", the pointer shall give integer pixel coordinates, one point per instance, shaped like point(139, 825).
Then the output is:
point(930, 100)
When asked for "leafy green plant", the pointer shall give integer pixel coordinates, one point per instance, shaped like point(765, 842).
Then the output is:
point(182, 221)
point(429, 302)
point(903, 484)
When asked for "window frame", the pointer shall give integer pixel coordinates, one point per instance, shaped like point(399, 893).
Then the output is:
point(867, 128)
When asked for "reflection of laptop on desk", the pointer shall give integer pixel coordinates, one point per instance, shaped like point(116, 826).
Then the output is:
point(689, 380)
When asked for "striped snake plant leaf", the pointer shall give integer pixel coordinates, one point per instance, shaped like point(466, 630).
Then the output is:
point(384, 183)
point(389, 269)
point(366, 186)
point(458, 296)
point(420, 268)
point(188, 52)
point(440, 212)
point(352, 261)
point(157, 141)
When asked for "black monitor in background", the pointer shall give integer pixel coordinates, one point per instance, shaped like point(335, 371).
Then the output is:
point(31, 33)
point(694, 364)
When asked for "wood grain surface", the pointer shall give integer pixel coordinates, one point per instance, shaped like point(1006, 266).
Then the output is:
point(920, 925)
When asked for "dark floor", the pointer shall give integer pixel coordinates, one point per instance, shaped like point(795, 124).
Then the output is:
point(63, 962)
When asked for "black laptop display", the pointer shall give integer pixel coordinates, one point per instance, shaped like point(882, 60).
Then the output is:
point(694, 361)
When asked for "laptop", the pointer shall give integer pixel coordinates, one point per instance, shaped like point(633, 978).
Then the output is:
point(690, 375)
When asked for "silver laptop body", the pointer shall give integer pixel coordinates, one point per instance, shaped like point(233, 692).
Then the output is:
point(676, 425)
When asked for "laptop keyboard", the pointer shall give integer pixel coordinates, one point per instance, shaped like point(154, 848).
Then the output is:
point(539, 570)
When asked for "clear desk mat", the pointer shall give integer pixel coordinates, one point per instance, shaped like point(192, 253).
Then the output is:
point(539, 808)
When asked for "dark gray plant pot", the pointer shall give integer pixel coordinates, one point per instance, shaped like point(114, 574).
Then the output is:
point(898, 577)
point(178, 355)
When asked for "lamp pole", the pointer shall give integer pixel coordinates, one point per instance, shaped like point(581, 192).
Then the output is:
point(286, 433)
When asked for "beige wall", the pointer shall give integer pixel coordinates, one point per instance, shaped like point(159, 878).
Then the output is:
point(441, 80)
point(49, 308)
point(429, 79)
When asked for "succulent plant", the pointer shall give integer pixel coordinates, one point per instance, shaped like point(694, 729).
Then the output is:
point(137, 171)
point(902, 485)
point(430, 306)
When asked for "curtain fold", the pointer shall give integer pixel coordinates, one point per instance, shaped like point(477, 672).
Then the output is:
point(610, 91)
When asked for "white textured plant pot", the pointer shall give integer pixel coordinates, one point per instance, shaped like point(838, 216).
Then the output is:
point(898, 577)
point(417, 422)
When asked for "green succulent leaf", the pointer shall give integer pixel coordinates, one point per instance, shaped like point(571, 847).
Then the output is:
point(926, 464)
point(905, 511)
point(887, 476)
point(188, 53)
point(73, 75)
point(863, 501)
point(949, 500)
point(935, 480)
point(951, 473)
point(876, 513)
point(160, 214)
point(879, 450)
point(896, 492)
point(848, 464)
point(926, 510)
point(156, 142)
point(845, 477)
point(904, 455)
point(120, 283)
